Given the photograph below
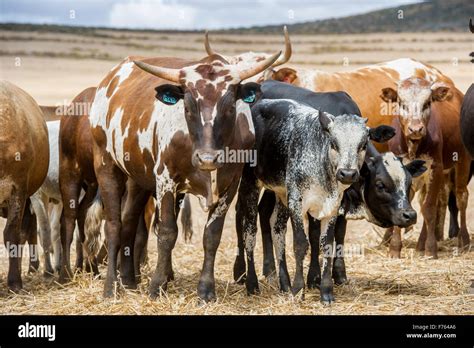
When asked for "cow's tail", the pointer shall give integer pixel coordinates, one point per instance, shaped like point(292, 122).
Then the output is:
point(92, 226)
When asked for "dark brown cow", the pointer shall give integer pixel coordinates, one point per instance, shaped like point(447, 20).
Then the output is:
point(24, 160)
point(426, 130)
point(168, 139)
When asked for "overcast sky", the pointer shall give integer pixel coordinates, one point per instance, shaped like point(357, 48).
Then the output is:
point(183, 14)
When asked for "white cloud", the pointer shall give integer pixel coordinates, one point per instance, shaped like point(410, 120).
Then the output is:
point(157, 15)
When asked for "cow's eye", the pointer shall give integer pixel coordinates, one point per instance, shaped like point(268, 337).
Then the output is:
point(363, 146)
point(334, 145)
point(380, 186)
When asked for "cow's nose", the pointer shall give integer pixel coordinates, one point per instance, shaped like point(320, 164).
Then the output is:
point(206, 160)
point(347, 176)
point(408, 217)
point(416, 130)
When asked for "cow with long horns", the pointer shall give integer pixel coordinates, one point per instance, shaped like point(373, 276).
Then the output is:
point(164, 123)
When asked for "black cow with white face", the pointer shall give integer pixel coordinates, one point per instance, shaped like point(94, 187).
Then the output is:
point(275, 126)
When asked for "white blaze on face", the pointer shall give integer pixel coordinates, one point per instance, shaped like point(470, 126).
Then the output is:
point(396, 171)
point(412, 100)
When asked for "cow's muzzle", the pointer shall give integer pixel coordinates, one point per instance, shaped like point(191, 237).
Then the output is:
point(207, 160)
point(347, 176)
point(407, 217)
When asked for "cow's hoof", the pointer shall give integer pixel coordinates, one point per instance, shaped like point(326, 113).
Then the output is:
point(108, 291)
point(313, 282)
point(129, 284)
point(269, 269)
point(339, 279)
point(64, 276)
point(15, 286)
point(239, 271)
point(395, 254)
point(252, 287)
point(327, 299)
point(206, 292)
point(453, 232)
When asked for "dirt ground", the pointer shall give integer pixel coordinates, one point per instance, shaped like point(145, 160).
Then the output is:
point(53, 68)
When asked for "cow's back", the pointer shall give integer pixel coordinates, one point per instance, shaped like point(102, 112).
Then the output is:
point(23, 139)
point(335, 103)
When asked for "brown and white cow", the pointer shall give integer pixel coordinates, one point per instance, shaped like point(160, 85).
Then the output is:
point(24, 160)
point(428, 128)
point(168, 139)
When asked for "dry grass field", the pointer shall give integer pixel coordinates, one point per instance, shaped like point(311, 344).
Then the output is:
point(53, 68)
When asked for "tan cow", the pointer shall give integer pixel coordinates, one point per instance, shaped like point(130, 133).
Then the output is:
point(24, 160)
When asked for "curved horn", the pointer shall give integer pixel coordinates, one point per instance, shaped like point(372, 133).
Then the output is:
point(471, 26)
point(209, 50)
point(259, 67)
point(164, 73)
point(286, 57)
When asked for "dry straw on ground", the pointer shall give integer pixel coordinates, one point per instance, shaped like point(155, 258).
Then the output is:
point(378, 285)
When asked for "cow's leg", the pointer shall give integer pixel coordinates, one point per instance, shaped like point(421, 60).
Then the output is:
point(453, 215)
point(441, 210)
point(70, 185)
point(265, 210)
point(429, 210)
point(81, 218)
point(135, 200)
point(339, 266)
point(56, 235)
point(395, 246)
point(141, 242)
point(246, 227)
point(300, 242)
point(278, 222)
point(239, 263)
point(112, 186)
point(462, 195)
point(102, 254)
point(11, 238)
point(167, 235)
point(40, 207)
point(387, 237)
point(31, 233)
point(212, 237)
point(314, 273)
point(186, 219)
point(327, 242)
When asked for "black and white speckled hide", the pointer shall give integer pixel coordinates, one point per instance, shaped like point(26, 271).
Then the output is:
point(298, 157)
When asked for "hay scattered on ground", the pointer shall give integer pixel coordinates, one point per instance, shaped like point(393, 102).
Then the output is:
point(377, 284)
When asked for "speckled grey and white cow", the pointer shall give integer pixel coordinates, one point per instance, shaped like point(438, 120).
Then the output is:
point(308, 158)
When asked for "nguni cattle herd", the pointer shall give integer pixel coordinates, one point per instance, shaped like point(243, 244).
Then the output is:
point(290, 144)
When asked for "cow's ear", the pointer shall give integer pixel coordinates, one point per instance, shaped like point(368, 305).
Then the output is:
point(287, 75)
point(381, 134)
point(416, 168)
point(389, 95)
point(439, 92)
point(169, 94)
point(249, 92)
point(367, 167)
point(326, 120)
